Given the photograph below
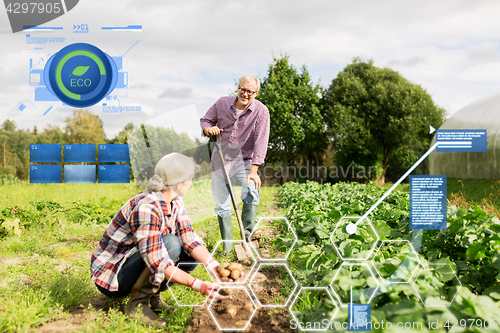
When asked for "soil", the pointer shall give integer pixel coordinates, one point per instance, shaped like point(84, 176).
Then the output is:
point(264, 320)
point(268, 319)
point(268, 233)
point(266, 287)
point(76, 317)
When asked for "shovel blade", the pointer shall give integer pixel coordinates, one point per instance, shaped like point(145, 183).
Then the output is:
point(241, 253)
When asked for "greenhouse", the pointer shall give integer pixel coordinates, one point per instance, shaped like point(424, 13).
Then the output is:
point(481, 114)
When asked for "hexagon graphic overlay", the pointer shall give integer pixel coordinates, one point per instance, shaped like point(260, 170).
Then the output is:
point(395, 261)
point(313, 309)
point(437, 285)
point(234, 314)
point(273, 285)
point(356, 246)
point(360, 277)
point(230, 257)
point(184, 295)
point(277, 228)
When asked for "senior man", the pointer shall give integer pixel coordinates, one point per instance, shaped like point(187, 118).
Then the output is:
point(243, 123)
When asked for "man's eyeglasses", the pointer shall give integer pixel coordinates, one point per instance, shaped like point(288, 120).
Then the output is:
point(244, 91)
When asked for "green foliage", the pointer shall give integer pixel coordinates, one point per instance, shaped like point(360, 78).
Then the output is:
point(150, 143)
point(51, 135)
point(122, 136)
point(297, 130)
point(14, 146)
point(26, 216)
point(315, 210)
point(71, 288)
point(48, 277)
point(48, 214)
point(91, 212)
point(313, 306)
point(8, 179)
point(470, 244)
point(376, 117)
point(84, 128)
point(24, 308)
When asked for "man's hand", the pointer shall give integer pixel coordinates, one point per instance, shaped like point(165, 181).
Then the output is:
point(208, 289)
point(214, 130)
point(254, 176)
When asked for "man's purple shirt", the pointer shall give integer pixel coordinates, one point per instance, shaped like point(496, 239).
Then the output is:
point(249, 131)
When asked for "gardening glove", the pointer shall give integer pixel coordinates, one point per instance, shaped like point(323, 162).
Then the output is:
point(208, 289)
point(211, 267)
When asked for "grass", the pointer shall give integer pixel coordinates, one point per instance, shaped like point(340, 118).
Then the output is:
point(53, 230)
point(313, 306)
point(21, 194)
point(475, 192)
point(45, 274)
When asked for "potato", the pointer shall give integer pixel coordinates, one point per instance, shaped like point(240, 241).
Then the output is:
point(232, 267)
point(248, 307)
point(231, 310)
point(226, 270)
point(235, 274)
point(221, 267)
point(226, 291)
point(224, 273)
point(242, 323)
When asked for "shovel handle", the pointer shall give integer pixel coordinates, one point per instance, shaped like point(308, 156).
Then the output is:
point(213, 138)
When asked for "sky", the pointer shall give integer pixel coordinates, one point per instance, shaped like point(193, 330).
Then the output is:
point(190, 53)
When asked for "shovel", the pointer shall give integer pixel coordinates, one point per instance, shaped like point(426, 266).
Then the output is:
point(242, 250)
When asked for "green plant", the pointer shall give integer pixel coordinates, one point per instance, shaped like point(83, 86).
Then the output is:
point(8, 179)
point(25, 307)
point(72, 287)
point(470, 246)
point(91, 212)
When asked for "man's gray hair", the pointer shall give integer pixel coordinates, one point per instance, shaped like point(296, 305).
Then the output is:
point(250, 77)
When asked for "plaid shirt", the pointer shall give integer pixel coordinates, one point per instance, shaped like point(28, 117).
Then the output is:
point(139, 226)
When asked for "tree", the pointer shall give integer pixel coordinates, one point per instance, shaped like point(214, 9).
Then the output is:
point(20, 147)
point(122, 136)
point(375, 116)
point(296, 129)
point(14, 149)
point(9, 125)
point(84, 127)
point(150, 143)
point(51, 135)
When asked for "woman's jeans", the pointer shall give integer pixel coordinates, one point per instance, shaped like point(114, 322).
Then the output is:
point(133, 267)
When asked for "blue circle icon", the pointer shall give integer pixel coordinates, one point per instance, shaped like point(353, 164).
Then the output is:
point(80, 75)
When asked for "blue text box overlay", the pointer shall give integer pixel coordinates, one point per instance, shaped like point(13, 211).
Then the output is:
point(40, 153)
point(45, 173)
point(428, 202)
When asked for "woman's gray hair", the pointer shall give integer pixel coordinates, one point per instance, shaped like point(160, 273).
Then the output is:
point(250, 77)
point(172, 169)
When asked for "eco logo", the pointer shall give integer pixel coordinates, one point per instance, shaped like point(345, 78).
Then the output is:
point(80, 75)
point(30, 14)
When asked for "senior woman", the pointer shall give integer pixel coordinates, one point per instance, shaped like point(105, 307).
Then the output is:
point(138, 252)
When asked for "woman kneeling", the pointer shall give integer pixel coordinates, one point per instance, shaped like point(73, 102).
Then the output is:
point(144, 241)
